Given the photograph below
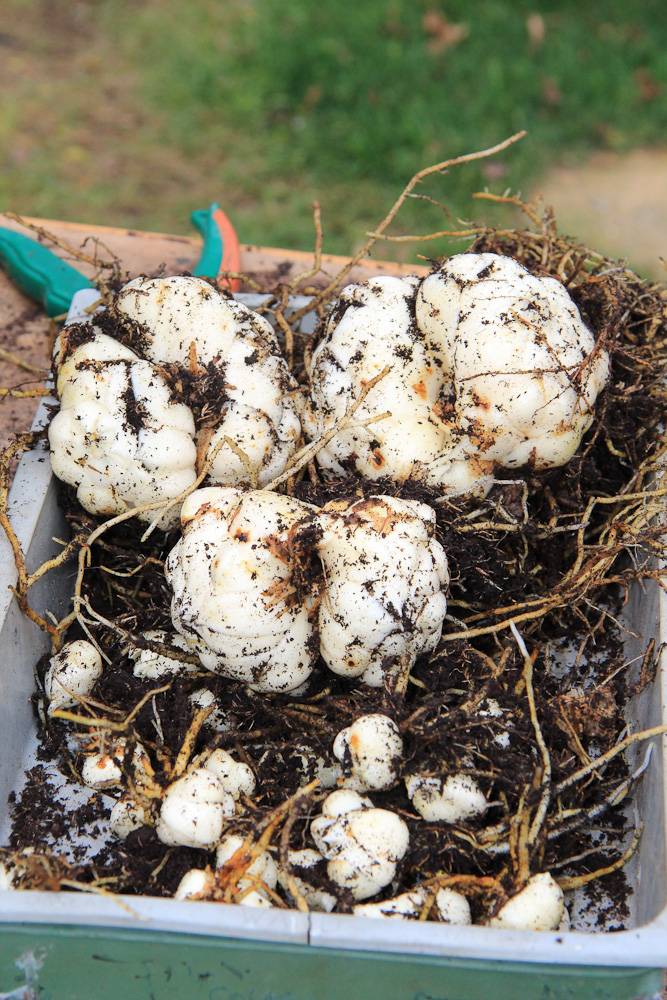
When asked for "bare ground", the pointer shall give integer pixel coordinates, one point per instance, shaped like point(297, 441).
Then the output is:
point(616, 204)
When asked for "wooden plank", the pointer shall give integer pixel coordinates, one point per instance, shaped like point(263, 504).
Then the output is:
point(147, 253)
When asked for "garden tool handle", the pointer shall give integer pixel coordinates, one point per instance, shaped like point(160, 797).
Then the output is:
point(221, 250)
point(48, 279)
point(39, 272)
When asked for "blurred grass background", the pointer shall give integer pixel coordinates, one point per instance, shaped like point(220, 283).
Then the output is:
point(134, 114)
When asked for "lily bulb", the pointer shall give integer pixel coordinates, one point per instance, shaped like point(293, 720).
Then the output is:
point(490, 367)
point(72, 674)
point(362, 844)
point(230, 577)
point(386, 579)
point(373, 747)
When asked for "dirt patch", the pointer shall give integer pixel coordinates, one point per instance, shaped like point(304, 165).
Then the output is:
point(615, 203)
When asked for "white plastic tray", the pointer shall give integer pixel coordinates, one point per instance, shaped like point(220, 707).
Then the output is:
point(37, 521)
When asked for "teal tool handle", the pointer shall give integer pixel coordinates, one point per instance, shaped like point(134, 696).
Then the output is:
point(221, 250)
point(53, 282)
point(210, 259)
point(39, 272)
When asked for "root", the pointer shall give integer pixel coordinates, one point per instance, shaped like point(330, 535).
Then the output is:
point(438, 168)
point(577, 881)
point(541, 812)
point(307, 454)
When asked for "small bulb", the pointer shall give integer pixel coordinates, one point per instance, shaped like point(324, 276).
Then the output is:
point(262, 872)
point(373, 747)
point(448, 906)
point(538, 907)
point(362, 844)
point(126, 816)
point(105, 770)
point(7, 876)
point(72, 674)
point(217, 721)
point(194, 809)
point(195, 884)
point(316, 899)
point(235, 777)
point(448, 801)
point(154, 666)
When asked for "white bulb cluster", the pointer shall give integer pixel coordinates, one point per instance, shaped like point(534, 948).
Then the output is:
point(123, 440)
point(194, 808)
point(383, 599)
point(489, 367)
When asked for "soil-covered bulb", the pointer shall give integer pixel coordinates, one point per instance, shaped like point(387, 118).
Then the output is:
point(306, 860)
point(262, 584)
point(186, 322)
point(449, 801)
point(195, 884)
point(106, 769)
point(202, 380)
point(538, 907)
point(72, 674)
point(194, 810)
point(126, 816)
point(235, 777)
point(153, 666)
point(386, 581)
point(489, 367)
point(361, 843)
point(372, 746)
point(449, 906)
point(230, 577)
point(119, 437)
point(263, 872)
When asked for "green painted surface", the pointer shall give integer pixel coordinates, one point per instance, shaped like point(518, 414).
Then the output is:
point(109, 964)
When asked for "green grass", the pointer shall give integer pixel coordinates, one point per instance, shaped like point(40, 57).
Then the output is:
point(267, 104)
